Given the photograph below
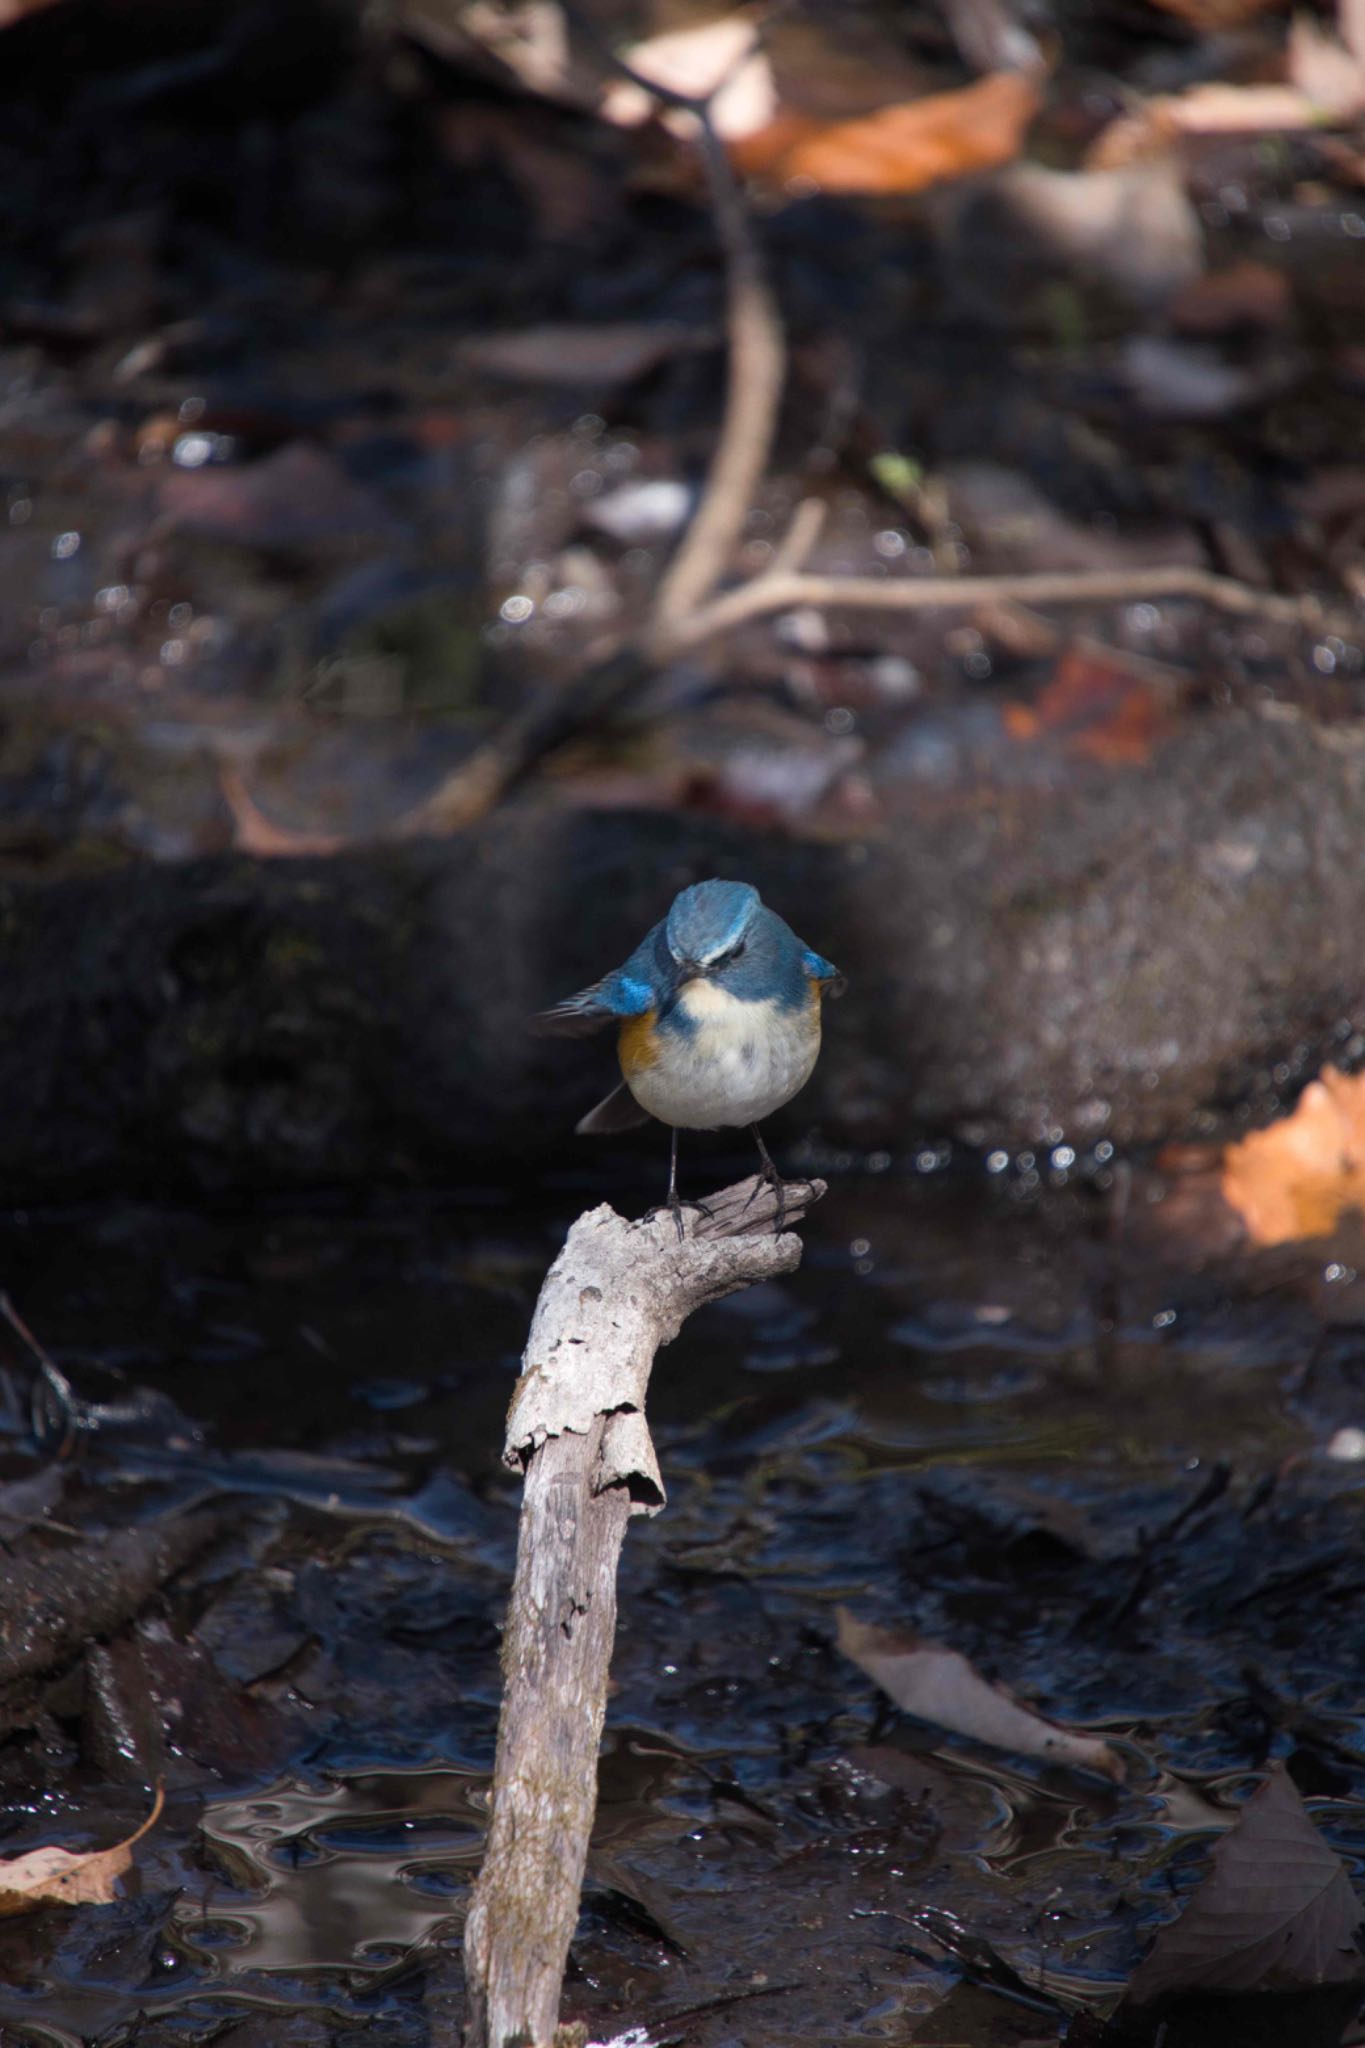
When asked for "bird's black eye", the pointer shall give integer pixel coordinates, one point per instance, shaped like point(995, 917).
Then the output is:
point(737, 952)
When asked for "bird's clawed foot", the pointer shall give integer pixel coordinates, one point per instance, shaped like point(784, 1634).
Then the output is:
point(675, 1205)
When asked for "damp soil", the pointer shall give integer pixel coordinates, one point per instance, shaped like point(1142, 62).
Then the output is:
point(990, 1413)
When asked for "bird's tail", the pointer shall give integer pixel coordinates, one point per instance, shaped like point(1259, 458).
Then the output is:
point(619, 1112)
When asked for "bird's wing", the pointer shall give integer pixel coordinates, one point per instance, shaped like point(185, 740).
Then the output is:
point(824, 971)
point(625, 993)
point(619, 1112)
point(577, 1015)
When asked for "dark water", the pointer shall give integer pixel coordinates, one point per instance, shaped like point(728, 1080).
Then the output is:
point(1098, 1470)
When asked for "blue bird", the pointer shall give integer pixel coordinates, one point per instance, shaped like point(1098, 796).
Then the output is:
point(718, 1011)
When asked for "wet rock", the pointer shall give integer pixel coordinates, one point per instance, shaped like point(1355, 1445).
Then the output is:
point(1132, 231)
point(1104, 952)
point(55, 1597)
point(121, 1733)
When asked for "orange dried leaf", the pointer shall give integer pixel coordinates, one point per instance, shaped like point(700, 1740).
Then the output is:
point(901, 148)
point(1100, 704)
point(1299, 1176)
point(63, 1877)
point(254, 833)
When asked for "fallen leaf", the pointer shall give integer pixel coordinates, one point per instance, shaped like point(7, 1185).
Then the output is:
point(1132, 229)
point(1101, 704)
point(529, 40)
point(64, 1877)
point(1330, 70)
point(1275, 1912)
point(299, 498)
point(1246, 294)
point(1212, 109)
point(1298, 1176)
point(715, 60)
point(1214, 17)
point(24, 1502)
point(991, 38)
point(1180, 379)
point(941, 1686)
point(898, 149)
point(615, 352)
point(253, 832)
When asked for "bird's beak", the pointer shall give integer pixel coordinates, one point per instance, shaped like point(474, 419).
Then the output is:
point(683, 972)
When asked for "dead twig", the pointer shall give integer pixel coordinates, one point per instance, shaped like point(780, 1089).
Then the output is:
point(779, 589)
point(617, 1292)
point(753, 394)
point(55, 1411)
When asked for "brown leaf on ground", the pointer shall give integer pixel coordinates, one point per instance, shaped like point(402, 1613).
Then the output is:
point(64, 1877)
point(253, 832)
point(716, 59)
point(1275, 1912)
point(1100, 704)
point(526, 43)
point(297, 499)
point(1214, 17)
point(1212, 109)
point(1132, 231)
point(612, 352)
point(898, 149)
point(1246, 294)
point(1297, 1177)
point(940, 1685)
point(1329, 70)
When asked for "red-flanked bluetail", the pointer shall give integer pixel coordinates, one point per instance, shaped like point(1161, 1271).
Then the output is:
point(718, 1010)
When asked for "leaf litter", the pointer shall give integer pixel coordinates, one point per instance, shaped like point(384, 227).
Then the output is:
point(942, 1686)
point(52, 1876)
point(1297, 1177)
point(1275, 1912)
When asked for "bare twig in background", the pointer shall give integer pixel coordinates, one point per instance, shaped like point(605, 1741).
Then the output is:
point(780, 588)
point(616, 1293)
point(753, 394)
point(755, 370)
point(54, 1410)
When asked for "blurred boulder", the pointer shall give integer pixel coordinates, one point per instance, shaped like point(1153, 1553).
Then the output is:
point(1032, 959)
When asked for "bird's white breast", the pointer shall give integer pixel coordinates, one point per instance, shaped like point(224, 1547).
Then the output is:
point(740, 1062)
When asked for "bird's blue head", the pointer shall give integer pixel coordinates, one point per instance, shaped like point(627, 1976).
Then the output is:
point(709, 922)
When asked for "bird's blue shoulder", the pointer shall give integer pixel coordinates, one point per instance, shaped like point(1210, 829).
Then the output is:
point(626, 995)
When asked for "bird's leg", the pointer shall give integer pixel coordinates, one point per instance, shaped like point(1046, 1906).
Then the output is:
point(676, 1202)
point(772, 1176)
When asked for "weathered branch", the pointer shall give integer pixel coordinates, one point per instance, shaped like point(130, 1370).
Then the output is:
point(616, 1293)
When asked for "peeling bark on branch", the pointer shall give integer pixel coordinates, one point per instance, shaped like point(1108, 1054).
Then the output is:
point(617, 1292)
